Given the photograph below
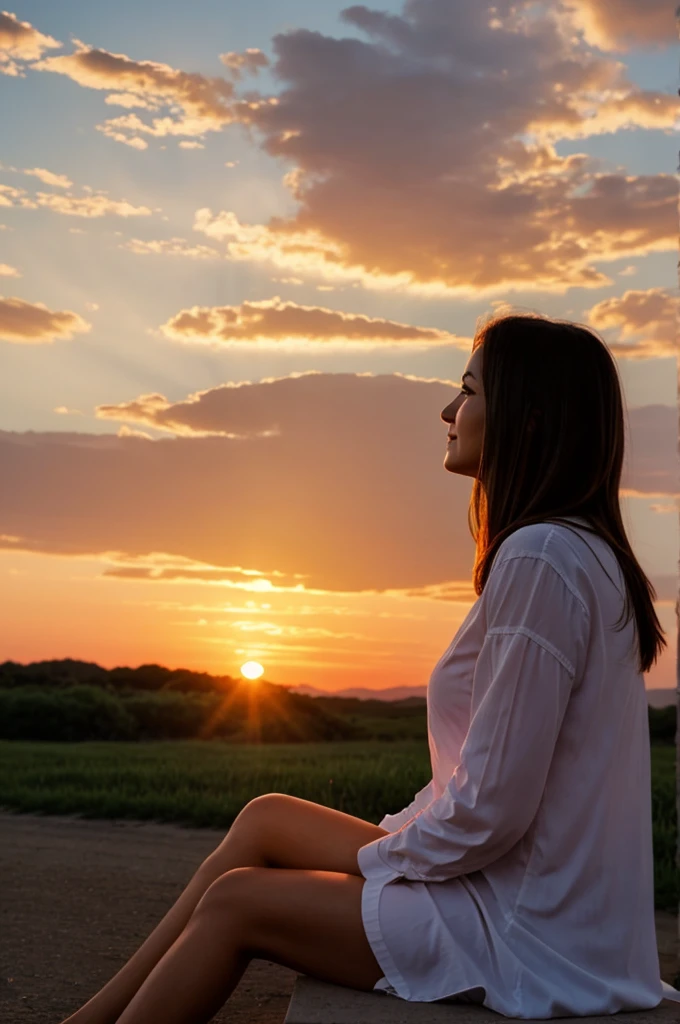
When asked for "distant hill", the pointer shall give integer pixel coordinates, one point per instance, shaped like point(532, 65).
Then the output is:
point(661, 698)
point(655, 698)
point(364, 692)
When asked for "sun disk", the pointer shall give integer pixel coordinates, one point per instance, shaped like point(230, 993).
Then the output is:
point(251, 670)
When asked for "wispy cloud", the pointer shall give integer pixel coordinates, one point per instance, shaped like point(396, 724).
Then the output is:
point(20, 42)
point(50, 178)
point(623, 25)
point(171, 247)
point(11, 196)
point(32, 323)
point(248, 62)
point(195, 103)
point(92, 204)
point(96, 205)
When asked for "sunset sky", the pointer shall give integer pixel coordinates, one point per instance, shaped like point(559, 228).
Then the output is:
point(243, 251)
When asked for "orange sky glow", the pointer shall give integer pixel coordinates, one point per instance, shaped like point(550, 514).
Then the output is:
point(232, 311)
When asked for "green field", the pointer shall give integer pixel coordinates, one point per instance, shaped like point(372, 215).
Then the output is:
point(206, 784)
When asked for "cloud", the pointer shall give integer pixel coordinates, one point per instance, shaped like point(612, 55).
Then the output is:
point(652, 313)
point(127, 100)
point(622, 25)
point(638, 107)
point(196, 103)
point(171, 247)
point(216, 411)
point(10, 196)
point(19, 41)
point(290, 405)
point(424, 158)
point(94, 204)
point(112, 129)
point(159, 566)
point(615, 216)
point(8, 271)
point(280, 324)
point(126, 431)
point(32, 323)
point(249, 62)
point(49, 178)
point(318, 465)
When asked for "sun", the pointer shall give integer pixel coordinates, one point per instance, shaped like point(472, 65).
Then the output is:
point(252, 670)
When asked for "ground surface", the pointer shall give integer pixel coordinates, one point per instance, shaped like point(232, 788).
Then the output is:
point(78, 897)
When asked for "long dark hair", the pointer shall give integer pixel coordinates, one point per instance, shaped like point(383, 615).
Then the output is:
point(553, 447)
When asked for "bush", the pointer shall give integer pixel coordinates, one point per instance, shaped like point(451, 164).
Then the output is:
point(76, 713)
point(662, 723)
point(167, 716)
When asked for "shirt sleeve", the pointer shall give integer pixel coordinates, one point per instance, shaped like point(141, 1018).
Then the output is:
point(422, 798)
point(537, 630)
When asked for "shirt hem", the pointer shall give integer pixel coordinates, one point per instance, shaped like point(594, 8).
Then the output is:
point(370, 900)
point(377, 876)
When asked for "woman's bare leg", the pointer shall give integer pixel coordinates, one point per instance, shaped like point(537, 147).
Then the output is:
point(309, 921)
point(106, 1006)
point(273, 830)
point(195, 977)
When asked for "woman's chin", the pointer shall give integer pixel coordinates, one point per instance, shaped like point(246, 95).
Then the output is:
point(454, 465)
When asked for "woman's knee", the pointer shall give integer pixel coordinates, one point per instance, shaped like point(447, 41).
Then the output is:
point(244, 842)
point(231, 890)
point(258, 815)
point(265, 805)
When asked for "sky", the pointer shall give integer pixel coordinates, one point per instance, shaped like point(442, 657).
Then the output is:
point(243, 253)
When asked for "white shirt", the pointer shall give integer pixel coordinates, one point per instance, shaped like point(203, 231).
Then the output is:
point(522, 875)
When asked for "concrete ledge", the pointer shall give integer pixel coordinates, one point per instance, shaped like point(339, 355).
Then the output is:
point(319, 1002)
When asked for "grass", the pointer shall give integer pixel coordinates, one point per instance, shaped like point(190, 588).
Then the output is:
point(206, 784)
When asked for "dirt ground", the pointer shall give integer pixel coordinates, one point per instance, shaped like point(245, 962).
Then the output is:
point(79, 897)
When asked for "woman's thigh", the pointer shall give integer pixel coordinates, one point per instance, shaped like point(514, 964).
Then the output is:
point(309, 921)
point(285, 831)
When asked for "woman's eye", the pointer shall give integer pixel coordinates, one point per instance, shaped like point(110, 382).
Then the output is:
point(466, 390)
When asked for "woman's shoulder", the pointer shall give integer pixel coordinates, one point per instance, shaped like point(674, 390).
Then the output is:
point(544, 538)
point(579, 555)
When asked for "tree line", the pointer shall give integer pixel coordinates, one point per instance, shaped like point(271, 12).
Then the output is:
point(68, 700)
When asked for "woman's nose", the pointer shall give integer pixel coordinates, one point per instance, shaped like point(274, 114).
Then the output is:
point(448, 414)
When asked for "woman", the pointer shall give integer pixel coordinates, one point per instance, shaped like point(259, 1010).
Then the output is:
point(521, 876)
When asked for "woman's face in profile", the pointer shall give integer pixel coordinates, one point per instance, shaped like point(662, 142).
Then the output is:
point(465, 416)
